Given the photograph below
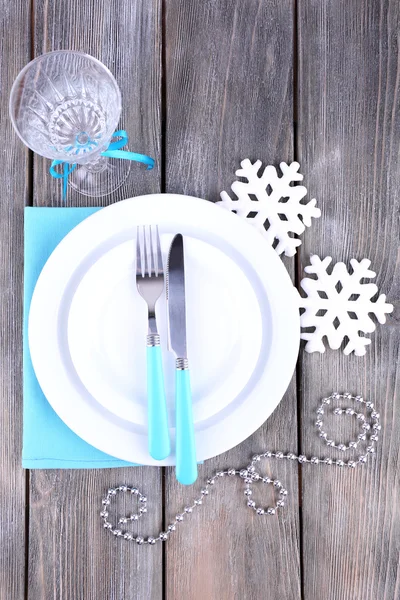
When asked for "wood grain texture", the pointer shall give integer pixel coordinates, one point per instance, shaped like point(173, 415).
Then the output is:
point(71, 557)
point(348, 146)
point(14, 17)
point(228, 97)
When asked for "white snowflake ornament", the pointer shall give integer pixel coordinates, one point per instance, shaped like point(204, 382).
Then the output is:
point(338, 305)
point(272, 204)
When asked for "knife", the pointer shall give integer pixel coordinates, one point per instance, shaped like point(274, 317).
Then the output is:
point(186, 464)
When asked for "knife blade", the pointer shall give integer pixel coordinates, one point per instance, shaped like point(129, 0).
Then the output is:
point(176, 298)
point(186, 463)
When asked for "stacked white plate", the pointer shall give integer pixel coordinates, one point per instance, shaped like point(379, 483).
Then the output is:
point(88, 326)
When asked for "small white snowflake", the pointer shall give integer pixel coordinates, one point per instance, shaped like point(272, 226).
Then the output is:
point(271, 203)
point(345, 303)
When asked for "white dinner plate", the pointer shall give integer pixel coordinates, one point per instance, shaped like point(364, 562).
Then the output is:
point(88, 326)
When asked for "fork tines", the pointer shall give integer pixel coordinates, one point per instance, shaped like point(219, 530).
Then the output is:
point(148, 252)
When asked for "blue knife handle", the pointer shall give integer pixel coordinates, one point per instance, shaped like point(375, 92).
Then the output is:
point(186, 463)
point(158, 436)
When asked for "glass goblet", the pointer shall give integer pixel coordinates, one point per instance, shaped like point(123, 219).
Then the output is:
point(65, 105)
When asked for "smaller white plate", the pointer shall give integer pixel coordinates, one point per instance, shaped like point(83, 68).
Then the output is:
point(108, 323)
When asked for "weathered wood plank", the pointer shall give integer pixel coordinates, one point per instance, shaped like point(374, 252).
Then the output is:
point(70, 555)
point(349, 126)
point(15, 49)
point(229, 96)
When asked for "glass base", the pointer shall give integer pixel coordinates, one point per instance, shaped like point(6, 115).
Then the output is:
point(100, 178)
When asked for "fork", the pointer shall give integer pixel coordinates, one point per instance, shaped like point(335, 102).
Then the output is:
point(150, 285)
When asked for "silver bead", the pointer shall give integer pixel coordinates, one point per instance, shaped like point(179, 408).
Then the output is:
point(338, 411)
point(302, 458)
point(248, 492)
point(204, 492)
point(123, 520)
point(362, 436)
point(267, 480)
point(255, 476)
point(353, 445)
point(374, 437)
point(280, 503)
point(117, 532)
point(369, 405)
point(342, 447)
point(171, 527)
point(319, 424)
point(351, 464)
point(112, 492)
point(347, 396)
point(198, 502)
point(143, 510)
point(231, 472)
point(104, 514)
point(370, 449)
point(277, 483)
point(251, 469)
point(362, 459)
point(268, 454)
point(361, 417)
point(314, 460)
point(248, 480)
point(123, 488)
point(151, 541)
point(143, 499)
point(335, 395)
point(179, 518)
point(327, 400)
point(323, 435)
point(251, 503)
point(211, 481)
point(366, 426)
point(283, 492)
point(375, 415)
point(134, 491)
point(376, 426)
point(139, 540)
point(279, 455)
point(105, 501)
point(330, 443)
point(271, 511)
point(359, 399)
point(291, 456)
point(134, 517)
point(340, 463)
point(349, 411)
point(188, 509)
point(328, 461)
point(320, 411)
point(163, 536)
point(128, 536)
point(256, 458)
point(243, 473)
point(107, 525)
point(221, 473)
point(260, 511)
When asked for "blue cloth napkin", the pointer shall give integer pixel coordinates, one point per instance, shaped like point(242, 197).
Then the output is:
point(47, 442)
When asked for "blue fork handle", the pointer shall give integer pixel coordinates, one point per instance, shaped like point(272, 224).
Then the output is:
point(186, 463)
point(158, 436)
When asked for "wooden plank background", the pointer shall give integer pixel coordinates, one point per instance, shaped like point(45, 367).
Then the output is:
point(204, 85)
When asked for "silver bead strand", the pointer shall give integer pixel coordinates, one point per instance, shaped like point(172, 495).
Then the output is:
point(369, 434)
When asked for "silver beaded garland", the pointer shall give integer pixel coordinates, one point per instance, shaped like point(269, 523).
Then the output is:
point(249, 475)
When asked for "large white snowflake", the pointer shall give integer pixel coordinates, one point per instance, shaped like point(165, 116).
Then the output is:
point(271, 203)
point(339, 305)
